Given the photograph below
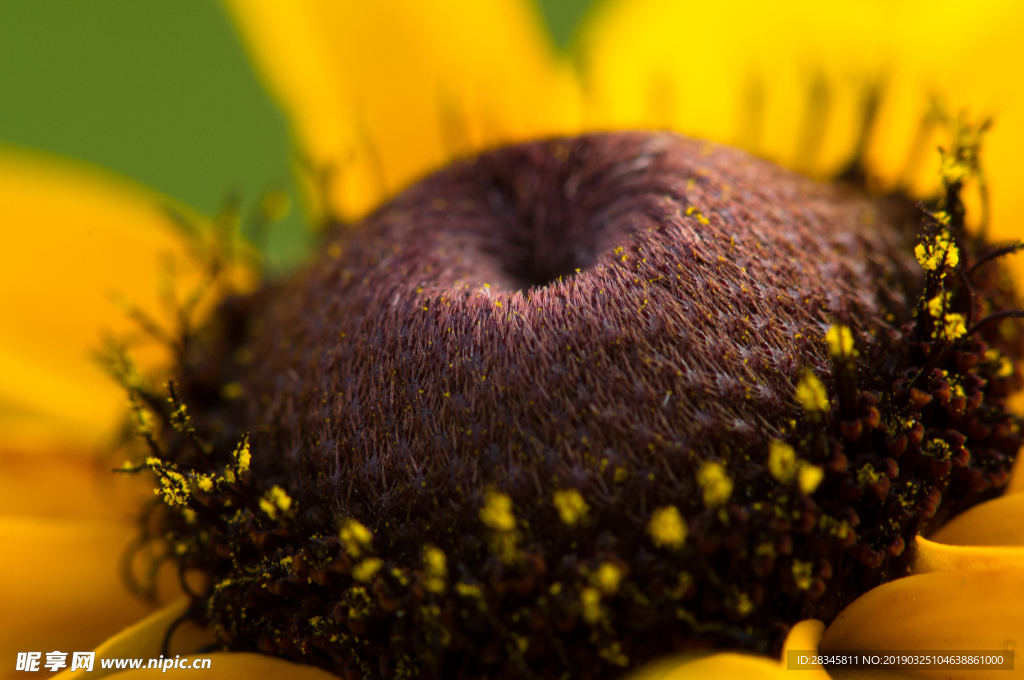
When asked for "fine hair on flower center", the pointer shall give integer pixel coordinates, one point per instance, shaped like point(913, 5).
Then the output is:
point(549, 224)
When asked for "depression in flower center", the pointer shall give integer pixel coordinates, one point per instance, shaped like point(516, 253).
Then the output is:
point(573, 404)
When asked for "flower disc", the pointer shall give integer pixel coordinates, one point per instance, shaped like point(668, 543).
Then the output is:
point(575, 403)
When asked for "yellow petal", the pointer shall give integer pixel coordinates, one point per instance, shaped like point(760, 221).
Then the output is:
point(69, 484)
point(60, 584)
point(1016, 484)
point(946, 610)
point(995, 522)
point(145, 640)
point(379, 93)
point(939, 557)
point(72, 239)
point(804, 636)
point(235, 666)
point(787, 79)
point(724, 666)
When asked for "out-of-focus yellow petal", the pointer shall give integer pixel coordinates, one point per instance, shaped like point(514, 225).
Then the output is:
point(804, 636)
point(1016, 484)
point(69, 485)
point(787, 79)
point(60, 585)
point(725, 666)
point(933, 556)
point(235, 666)
point(999, 521)
point(380, 93)
point(72, 238)
point(145, 640)
point(945, 610)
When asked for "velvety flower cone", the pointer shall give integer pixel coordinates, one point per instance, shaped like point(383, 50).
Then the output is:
point(577, 403)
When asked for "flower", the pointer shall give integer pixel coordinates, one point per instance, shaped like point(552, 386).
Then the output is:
point(455, 90)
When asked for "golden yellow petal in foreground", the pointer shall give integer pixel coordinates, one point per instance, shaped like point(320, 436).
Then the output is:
point(723, 666)
point(804, 636)
point(380, 93)
point(73, 238)
point(933, 556)
point(62, 588)
point(145, 639)
point(788, 80)
point(945, 610)
point(999, 521)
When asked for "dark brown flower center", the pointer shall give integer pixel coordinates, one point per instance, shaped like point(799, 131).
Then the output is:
point(573, 404)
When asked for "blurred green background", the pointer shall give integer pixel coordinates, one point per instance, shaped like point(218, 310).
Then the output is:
point(160, 91)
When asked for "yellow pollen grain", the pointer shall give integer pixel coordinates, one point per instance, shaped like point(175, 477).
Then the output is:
point(840, 341)
point(803, 574)
point(232, 390)
point(242, 456)
point(606, 578)
point(954, 327)
point(811, 393)
point(809, 478)
point(667, 528)
point(355, 537)
point(590, 598)
point(937, 305)
point(275, 501)
point(937, 251)
point(435, 569)
point(570, 505)
point(868, 475)
point(205, 482)
point(468, 590)
point(367, 569)
point(743, 604)
point(497, 512)
point(781, 461)
point(715, 483)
